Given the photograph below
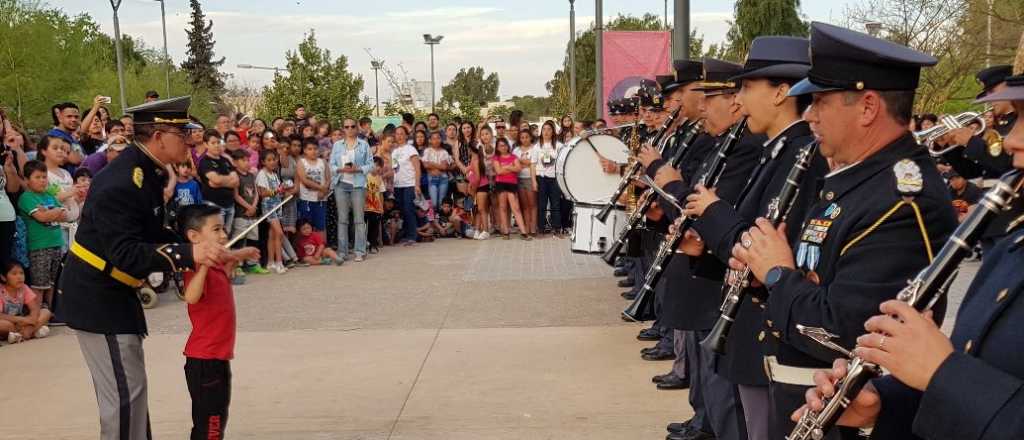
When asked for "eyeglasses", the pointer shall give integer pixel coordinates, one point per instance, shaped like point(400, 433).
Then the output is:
point(349, 126)
point(179, 134)
point(499, 127)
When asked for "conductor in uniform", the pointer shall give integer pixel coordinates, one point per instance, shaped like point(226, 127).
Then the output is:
point(963, 387)
point(122, 238)
point(874, 221)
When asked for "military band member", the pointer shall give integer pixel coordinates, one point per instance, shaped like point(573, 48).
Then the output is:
point(875, 221)
point(121, 239)
point(986, 156)
point(966, 387)
point(773, 66)
point(692, 289)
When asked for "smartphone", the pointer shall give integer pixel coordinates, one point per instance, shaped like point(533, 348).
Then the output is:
point(105, 99)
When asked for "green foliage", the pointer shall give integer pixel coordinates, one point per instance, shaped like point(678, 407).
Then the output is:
point(48, 57)
point(201, 67)
point(533, 107)
point(470, 89)
point(754, 18)
point(586, 65)
point(320, 82)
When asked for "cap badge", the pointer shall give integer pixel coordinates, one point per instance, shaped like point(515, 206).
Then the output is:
point(909, 181)
point(137, 176)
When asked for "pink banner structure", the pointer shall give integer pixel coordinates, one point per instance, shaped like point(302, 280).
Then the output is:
point(629, 58)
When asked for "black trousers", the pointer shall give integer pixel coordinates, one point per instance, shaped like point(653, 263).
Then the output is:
point(549, 201)
point(373, 232)
point(209, 385)
point(7, 230)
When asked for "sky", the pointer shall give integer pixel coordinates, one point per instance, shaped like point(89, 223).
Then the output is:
point(524, 40)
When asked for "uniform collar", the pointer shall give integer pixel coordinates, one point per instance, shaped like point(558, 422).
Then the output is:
point(159, 164)
point(841, 181)
point(795, 129)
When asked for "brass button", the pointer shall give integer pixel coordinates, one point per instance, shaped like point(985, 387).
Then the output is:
point(830, 195)
point(777, 335)
point(967, 346)
point(760, 336)
point(1002, 295)
point(755, 300)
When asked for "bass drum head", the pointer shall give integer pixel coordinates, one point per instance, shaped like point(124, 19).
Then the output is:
point(578, 168)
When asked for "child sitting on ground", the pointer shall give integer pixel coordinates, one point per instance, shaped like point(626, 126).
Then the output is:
point(21, 314)
point(211, 308)
point(311, 247)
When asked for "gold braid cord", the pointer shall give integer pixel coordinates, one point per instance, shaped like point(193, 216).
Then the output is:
point(884, 217)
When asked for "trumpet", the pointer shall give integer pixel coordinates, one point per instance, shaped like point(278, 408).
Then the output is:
point(948, 123)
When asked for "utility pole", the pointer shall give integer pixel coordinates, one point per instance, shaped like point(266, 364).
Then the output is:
point(117, 49)
point(376, 66)
point(988, 52)
point(681, 31)
point(598, 46)
point(666, 14)
point(572, 59)
point(167, 59)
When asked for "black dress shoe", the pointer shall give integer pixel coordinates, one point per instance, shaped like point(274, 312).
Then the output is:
point(690, 434)
point(628, 282)
point(660, 355)
point(674, 383)
point(678, 426)
point(649, 334)
point(620, 272)
point(630, 295)
point(648, 350)
point(661, 377)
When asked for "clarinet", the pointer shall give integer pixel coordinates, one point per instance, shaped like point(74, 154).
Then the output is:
point(666, 250)
point(737, 282)
point(634, 169)
point(921, 293)
point(644, 204)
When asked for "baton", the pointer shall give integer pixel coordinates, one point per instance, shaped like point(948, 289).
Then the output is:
point(249, 229)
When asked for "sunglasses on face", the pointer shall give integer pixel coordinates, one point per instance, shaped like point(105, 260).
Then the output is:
point(349, 127)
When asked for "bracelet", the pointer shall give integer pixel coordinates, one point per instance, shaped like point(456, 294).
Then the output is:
point(652, 169)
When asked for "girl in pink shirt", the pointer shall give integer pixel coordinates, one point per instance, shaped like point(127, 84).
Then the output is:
point(21, 316)
point(506, 187)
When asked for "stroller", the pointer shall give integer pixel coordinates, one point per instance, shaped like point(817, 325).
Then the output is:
point(159, 282)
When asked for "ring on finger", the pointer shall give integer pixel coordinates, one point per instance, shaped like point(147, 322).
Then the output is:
point(746, 243)
point(881, 343)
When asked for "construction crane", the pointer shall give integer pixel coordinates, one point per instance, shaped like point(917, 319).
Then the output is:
point(401, 86)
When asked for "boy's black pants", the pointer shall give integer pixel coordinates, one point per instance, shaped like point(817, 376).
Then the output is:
point(209, 384)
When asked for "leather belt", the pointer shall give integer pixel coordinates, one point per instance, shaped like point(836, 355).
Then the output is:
point(101, 265)
point(788, 375)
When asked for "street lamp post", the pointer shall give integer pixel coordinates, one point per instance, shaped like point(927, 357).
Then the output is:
point(572, 58)
point(117, 49)
point(376, 66)
point(167, 59)
point(432, 41)
point(599, 44)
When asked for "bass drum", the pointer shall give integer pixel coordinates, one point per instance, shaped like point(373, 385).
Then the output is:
point(578, 168)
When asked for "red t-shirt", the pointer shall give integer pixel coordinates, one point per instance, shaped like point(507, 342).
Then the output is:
point(213, 318)
point(307, 245)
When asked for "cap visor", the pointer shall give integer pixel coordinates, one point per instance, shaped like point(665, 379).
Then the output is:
point(805, 86)
point(1007, 94)
point(785, 71)
point(192, 126)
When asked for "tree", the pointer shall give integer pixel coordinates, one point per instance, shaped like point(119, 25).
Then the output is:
point(954, 31)
point(754, 18)
point(50, 57)
point(471, 90)
point(317, 80)
point(200, 64)
point(533, 107)
point(586, 63)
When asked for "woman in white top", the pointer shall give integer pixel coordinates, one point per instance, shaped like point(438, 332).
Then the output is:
point(549, 195)
point(437, 162)
point(528, 156)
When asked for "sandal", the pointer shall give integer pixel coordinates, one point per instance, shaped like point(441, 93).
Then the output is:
point(506, 237)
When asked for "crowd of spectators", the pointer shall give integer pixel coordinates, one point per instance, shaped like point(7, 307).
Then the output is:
point(335, 191)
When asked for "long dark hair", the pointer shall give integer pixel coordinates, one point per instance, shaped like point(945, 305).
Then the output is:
point(554, 133)
point(425, 139)
point(500, 141)
point(472, 134)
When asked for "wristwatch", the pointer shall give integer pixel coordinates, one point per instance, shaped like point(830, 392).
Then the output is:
point(773, 276)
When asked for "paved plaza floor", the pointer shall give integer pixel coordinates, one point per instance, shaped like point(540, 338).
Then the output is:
point(456, 339)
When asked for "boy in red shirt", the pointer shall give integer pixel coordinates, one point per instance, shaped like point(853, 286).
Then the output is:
point(311, 247)
point(211, 308)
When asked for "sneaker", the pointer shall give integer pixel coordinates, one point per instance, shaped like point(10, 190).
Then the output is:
point(43, 332)
point(485, 235)
point(14, 338)
point(325, 261)
point(238, 280)
point(279, 269)
point(374, 250)
point(339, 261)
point(359, 258)
point(302, 264)
point(289, 264)
point(257, 270)
point(525, 237)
